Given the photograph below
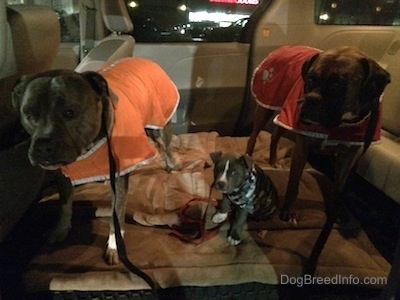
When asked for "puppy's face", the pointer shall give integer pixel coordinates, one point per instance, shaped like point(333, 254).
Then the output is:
point(341, 86)
point(230, 170)
point(61, 110)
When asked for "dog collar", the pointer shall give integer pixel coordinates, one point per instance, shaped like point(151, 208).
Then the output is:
point(244, 195)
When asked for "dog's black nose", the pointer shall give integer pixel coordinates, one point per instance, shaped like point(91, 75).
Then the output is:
point(311, 109)
point(43, 146)
point(221, 185)
point(313, 100)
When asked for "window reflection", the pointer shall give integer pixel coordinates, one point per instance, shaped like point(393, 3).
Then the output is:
point(190, 20)
point(357, 12)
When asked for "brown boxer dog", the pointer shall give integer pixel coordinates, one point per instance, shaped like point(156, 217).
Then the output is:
point(330, 100)
point(69, 115)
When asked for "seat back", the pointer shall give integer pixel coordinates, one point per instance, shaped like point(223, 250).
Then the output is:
point(32, 42)
point(118, 44)
point(33, 39)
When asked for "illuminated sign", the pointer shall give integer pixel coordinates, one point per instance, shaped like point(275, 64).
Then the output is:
point(249, 2)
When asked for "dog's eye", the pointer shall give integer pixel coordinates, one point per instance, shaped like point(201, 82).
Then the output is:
point(218, 169)
point(234, 173)
point(28, 112)
point(309, 82)
point(69, 114)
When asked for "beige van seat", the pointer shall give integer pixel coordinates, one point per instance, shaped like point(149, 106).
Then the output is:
point(32, 43)
point(381, 163)
point(118, 44)
point(34, 40)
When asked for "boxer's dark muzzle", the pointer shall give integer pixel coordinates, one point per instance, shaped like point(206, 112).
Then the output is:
point(316, 109)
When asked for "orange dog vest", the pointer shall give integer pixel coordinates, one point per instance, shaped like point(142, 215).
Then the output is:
point(277, 84)
point(147, 98)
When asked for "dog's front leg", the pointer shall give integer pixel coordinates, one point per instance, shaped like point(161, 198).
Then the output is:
point(165, 143)
point(163, 138)
point(119, 206)
point(222, 214)
point(261, 118)
point(302, 148)
point(65, 189)
point(277, 132)
point(235, 233)
point(345, 162)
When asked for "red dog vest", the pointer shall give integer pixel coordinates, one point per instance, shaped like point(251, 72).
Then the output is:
point(277, 84)
point(147, 98)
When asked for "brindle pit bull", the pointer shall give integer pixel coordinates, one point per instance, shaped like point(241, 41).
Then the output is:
point(68, 116)
point(337, 91)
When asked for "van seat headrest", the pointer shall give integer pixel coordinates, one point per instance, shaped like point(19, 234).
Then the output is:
point(115, 16)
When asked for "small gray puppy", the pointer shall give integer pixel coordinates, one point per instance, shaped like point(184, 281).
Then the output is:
point(246, 185)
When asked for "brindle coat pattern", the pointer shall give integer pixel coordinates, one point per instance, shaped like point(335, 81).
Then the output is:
point(247, 187)
point(66, 113)
point(341, 85)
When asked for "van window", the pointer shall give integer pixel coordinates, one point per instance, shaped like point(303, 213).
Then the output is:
point(357, 12)
point(166, 20)
point(189, 20)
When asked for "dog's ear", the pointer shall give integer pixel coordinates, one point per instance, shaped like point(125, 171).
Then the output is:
point(215, 156)
point(19, 90)
point(247, 161)
point(99, 84)
point(376, 79)
point(307, 65)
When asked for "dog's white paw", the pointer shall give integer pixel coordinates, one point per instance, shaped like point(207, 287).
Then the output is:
point(233, 241)
point(219, 217)
point(275, 165)
point(111, 256)
point(172, 168)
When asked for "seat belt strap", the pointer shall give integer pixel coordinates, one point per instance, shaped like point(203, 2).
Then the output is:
point(88, 32)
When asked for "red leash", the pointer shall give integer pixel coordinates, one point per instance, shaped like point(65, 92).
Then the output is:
point(203, 233)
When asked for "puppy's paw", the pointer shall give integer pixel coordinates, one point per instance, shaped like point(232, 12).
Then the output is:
point(277, 166)
point(274, 164)
point(172, 165)
point(289, 215)
point(233, 241)
point(172, 170)
point(219, 217)
point(58, 234)
point(111, 256)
